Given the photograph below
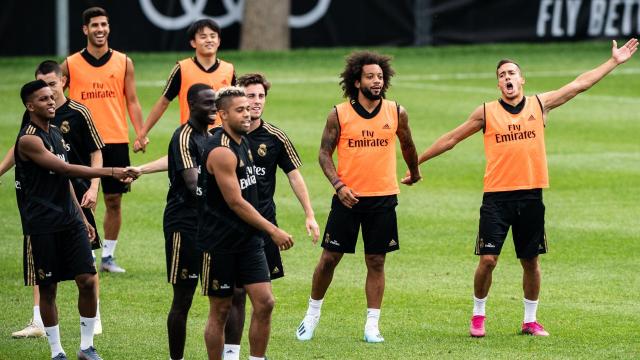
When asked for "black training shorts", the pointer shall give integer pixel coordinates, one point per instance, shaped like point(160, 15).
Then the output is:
point(184, 260)
point(222, 272)
point(54, 257)
point(379, 229)
point(526, 217)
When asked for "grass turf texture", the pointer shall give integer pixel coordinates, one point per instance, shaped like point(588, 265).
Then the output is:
point(589, 299)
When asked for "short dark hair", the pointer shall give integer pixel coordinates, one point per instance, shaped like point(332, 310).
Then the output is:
point(193, 91)
point(92, 12)
point(29, 88)
point(353, 71)
point(254, 78)
point(47, 67)
point(225, 94)
point(507, 61)
point(198, 25)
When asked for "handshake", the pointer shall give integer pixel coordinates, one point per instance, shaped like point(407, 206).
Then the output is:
point(126, 175)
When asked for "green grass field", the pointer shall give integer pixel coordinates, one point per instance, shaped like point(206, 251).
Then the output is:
point(589, 300)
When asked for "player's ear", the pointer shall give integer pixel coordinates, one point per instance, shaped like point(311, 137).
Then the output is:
point(85, 30)
point(357, 84)
point(193, 43)
point(63, 81)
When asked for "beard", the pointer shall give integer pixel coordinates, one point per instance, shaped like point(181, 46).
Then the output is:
point(369, 95)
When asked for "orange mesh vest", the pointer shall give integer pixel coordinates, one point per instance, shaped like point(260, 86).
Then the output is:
point(191, 74)
point(101, 89)
point(514, 147)
point(367, 150)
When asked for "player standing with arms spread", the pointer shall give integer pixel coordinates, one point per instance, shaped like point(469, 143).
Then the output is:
point(515, 175)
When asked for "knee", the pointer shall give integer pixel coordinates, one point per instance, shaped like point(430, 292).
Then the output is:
point(530, 265)
point(86, 283)
point(47, 293)
point(488, 262)
point(329, 261)
point(112, 202)
point(222, 313)
point(375, 263)
point(264, 306)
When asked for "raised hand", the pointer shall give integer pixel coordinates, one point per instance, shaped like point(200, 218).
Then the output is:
point(624, 53)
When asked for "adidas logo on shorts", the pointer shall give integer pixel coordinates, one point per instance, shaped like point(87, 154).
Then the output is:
point(393, 243)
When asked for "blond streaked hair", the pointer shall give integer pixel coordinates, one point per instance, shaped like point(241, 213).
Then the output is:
point(225, 94)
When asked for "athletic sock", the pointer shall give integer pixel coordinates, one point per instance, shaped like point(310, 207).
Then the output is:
point(478, 306)
point(373, 315)
point(530, 309)
point(256, 358)
point(53, 336)
point(97, 309)
point(314, 307)
point(37, 319)
point(109, 248)
point(231, 352)
point(86, 332)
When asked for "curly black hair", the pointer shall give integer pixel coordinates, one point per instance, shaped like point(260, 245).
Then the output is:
point(353, 71)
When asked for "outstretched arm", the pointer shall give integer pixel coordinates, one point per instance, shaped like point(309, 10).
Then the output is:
point(408, 148)
point(222, 163)
point(161, 164)
point(328, 144)
point(552, 99)
point(133, 106)
point(448, 141)
point(300, 189)
point(31, 147)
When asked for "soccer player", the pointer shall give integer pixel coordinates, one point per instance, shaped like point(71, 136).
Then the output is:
point(103, 79)
point(363, 129)
point(58, 235)
point(83, 144)
point(180, 215)
point(228, 226)
point(204, 67)
point(271, 148)
point(516, 172)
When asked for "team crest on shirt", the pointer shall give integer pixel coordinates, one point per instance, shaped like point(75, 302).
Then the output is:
point(262, 150)
point(65, 127)
point(215, 285)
